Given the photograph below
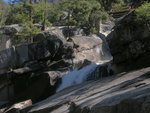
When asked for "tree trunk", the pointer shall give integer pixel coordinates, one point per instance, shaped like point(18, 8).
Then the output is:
point(30, 13)
point(44, 15)
point(30, 18)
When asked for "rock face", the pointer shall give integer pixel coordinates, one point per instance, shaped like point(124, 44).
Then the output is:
point(54, 48)
point(91, 49)
point(7, 38)
point(123, 93)
point(17, 87)
point(106, 28)
point(24, 68)
point(18, 56)
point(129, 44)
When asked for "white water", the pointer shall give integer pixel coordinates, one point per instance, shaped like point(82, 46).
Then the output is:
point(76, 76)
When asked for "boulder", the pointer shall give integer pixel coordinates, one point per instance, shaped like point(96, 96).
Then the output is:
point(90, 49)
point(123, 93)
point(18, 86)
point(8, 36)
point(106, 28)
point(41, 84)
point(100, 72)
point(73, 32)
point(16, 107)
point(10, 29)
point(18, 56)
point(55, 32)
point(6, 41)
point(129, 44)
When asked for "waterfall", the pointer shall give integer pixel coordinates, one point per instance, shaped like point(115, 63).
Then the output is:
point(76, 76)
point(101, 53)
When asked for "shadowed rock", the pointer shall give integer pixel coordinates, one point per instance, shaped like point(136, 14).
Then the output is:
point(129, 44)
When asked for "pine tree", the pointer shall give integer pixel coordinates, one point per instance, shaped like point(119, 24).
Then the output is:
point(84, 14)
point(3, 12)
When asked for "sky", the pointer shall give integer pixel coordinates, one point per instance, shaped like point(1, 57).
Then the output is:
point(5, 0)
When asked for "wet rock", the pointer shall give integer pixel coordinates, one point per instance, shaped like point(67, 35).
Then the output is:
point(101, 72)
point(54, 77)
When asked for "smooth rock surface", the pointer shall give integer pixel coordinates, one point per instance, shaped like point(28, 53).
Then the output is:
point(92, 49)
point(123, 93)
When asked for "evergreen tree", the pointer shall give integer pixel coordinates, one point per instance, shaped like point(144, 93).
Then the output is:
point(84, 14)
point(22, 14)
point(3, 12)
point(106, 4)
point(143, 14)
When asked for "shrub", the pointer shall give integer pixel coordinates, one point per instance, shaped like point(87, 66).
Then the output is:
point(143, 12)
point(119, 5)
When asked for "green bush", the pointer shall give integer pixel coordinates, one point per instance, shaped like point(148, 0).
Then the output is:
point(119, 5)
point(27, 33)
point(143, 12)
